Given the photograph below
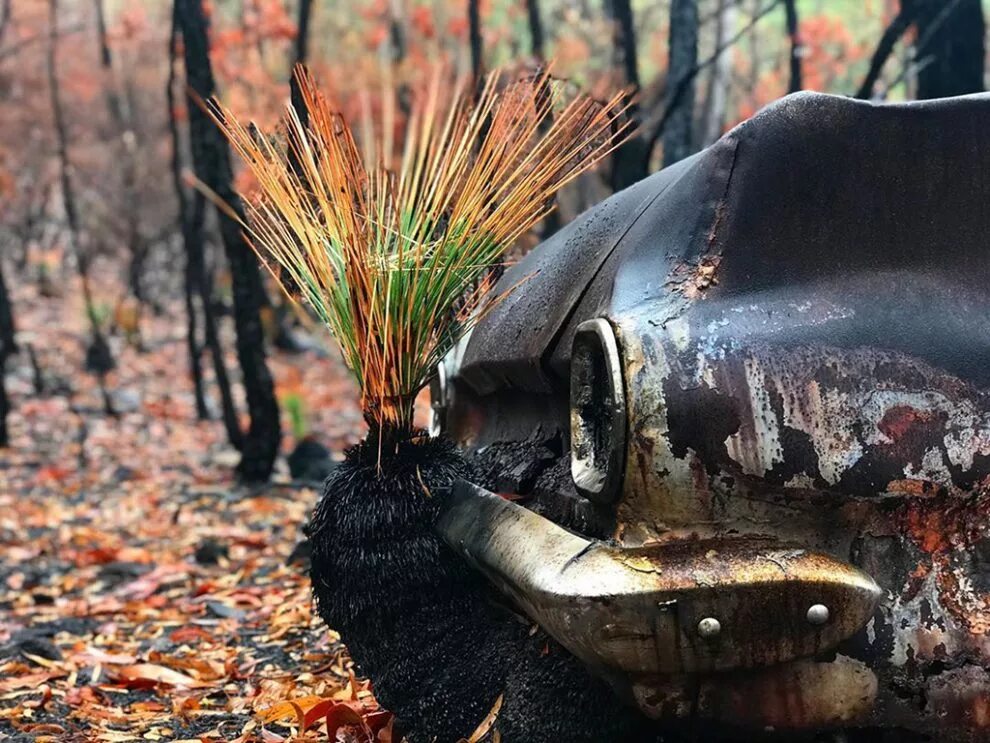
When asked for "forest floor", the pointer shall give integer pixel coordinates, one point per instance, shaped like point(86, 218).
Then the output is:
point(144, 594)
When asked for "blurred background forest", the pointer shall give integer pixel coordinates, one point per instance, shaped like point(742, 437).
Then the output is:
point(166, 417)
point(102, 230)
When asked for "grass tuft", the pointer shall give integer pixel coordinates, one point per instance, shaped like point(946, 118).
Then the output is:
point(396, 261)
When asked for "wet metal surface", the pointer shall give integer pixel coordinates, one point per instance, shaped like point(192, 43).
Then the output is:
point(696, 606)
point(802, 317)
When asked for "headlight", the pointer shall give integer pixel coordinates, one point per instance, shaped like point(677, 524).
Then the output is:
point(598, 412)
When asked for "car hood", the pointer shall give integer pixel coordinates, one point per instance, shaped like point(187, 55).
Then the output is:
point(812, 189)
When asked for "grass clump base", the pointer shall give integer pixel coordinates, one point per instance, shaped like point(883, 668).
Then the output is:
point(425, 627)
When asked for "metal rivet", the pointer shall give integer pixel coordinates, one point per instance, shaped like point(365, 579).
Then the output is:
point(709, 628)
point(818, 614)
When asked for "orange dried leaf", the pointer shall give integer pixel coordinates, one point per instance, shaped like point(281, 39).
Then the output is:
point(486, 725)
point(149, 674)
point(286, 710)
point(25, 682)
point(344, 714)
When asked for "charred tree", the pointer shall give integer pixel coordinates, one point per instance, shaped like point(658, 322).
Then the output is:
point(720, 79)
point(630, 163)
point(536, 35)
point(120, 117)
point(678, 136)
point(474, 39)
point(397, 41)
point(948, 55)
point(279, 311)
point(211, 162)
point(6, 13)
point(951, 47)
point(302, 30)
point(99, 358)
point(301, 52)
point(794, 34)
point(551, 223)
point(8, 346)
point(891, 35)
point(188, 235)
point(624, 52)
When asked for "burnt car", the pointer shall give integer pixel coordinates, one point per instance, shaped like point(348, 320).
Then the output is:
point(742, 409)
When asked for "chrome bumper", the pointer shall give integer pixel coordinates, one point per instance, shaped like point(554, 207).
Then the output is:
point(680, 607)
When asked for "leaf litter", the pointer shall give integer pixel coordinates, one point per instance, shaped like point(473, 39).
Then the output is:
point(111, 629)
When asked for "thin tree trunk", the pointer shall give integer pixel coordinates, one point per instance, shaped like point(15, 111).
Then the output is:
point(190, 234)
point(396, 32)
point(681, 87)
point(6, 13)
point(630, 162)
point(211, 161)
point(551, 223)
point(120, 116)
point(99, 350)
point(720, 80)
point(536, 37)
point(794, 34)
point(302, 31)
point(474, 38)
point(4, 402)
point(301, 52)
point(951, 48)
point(891, 35)
point(199, 283)
point(624, 51)
point(280, 312)
point(683, 56)
point(7, 348)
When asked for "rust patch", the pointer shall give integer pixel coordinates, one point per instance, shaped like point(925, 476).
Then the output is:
point(951, 531)
point(903, 420)
point(691, 279)
point(720, 211)
point(910, 434)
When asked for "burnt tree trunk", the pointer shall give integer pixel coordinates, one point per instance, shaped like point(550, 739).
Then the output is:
point(300, 54)
point(120, 117)
point(7, 348)
point(6, 13)
point(678, 135)
point(280, 311)
point(885, 47)
point(950, 49)
point(551, 222)
point(302, 31)
point(98, 356)
point(536, 36)
point(211, 162)
point(720, 80)
point(474, 39)
point(630, 162)
point(191, 237)
point(795, 82)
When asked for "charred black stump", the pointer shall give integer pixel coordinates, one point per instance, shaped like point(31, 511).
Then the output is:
point(422, 625)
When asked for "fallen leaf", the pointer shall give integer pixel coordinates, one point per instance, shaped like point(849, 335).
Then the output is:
point(482, 730)
point(343, 714)
point(285, 710)
point(149, 674)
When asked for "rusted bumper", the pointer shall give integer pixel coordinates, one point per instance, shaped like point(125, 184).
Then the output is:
point(642, 615)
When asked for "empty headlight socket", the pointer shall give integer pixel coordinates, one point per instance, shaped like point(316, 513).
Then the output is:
point(598, 412)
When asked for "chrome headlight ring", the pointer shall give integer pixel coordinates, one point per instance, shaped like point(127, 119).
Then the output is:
point(597, 412)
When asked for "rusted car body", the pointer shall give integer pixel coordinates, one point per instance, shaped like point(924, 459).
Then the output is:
point(767, 373)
